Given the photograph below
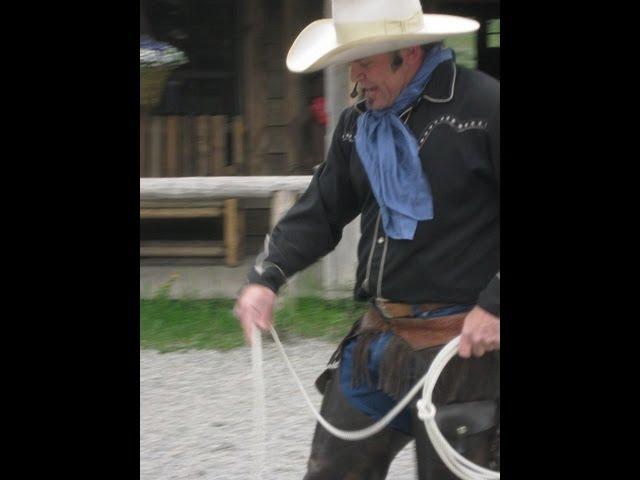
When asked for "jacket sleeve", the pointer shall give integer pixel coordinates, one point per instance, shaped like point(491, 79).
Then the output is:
point(489, 298)
point(313, 226)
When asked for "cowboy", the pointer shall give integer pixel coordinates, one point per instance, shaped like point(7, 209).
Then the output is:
point(418, 157)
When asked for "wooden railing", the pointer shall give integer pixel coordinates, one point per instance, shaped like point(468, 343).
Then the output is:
point(187, 146)
point(197, 197)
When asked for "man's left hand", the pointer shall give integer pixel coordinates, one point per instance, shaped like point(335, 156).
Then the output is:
point(480, 333)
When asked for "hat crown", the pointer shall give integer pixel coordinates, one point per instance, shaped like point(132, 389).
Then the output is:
point(361, 28)
point(354, 20)
point(355, 11)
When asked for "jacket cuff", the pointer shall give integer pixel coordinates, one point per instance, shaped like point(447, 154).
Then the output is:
point(271, 277)
point(489, 298)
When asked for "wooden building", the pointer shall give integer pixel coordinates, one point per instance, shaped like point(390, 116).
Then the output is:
point(234, 109)
point(236, 85)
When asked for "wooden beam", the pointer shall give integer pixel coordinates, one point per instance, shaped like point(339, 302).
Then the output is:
point(184, 203)
point(237, 163)
point(182, 249)
point(278, 140)
point(233, 232)
point(220, 187)
point(202, 145)
point(143, 142)
point(219, 146)
point(172, 147)
point(186, 166)
point(281, 202)
point(197, 212)
point(156, 147)
point(254, 84)
point(293, 14)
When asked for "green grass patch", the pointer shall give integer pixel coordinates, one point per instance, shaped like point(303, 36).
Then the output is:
point(314, 317)
point(169, 325)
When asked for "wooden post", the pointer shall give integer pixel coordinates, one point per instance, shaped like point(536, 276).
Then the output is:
point(186, 167)
point(219, 147)
point(281, 202)
point(202, 146)
point(179, 146)
point(254, 84)
point(338, 268)
point(237, 162)
point(208, 188)
point(233, 232)
point(172, 147)
point(292, 13)
point(143, 143)
point(156, 146)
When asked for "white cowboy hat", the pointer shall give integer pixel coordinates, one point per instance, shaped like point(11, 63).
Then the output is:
point(361, 28)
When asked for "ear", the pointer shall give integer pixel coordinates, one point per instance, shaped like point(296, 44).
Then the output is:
point(412, 56)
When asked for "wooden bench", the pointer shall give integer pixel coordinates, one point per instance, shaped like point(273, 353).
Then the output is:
point(230, 247)
point(202, 197)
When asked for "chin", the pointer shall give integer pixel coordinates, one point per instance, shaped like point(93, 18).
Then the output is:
point(375, 104)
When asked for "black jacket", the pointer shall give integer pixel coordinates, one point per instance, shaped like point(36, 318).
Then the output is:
point(453, 258)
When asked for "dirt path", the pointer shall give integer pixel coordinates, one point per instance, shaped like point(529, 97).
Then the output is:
point(196, 414)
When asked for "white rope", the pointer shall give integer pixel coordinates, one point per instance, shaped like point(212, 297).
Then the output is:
point(259, 430)
point(347, 434)
point(460, 466)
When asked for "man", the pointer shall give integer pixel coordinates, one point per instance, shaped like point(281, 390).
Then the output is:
point(418, 158)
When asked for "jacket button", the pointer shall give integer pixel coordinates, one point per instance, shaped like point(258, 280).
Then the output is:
point(381, 240)
point(461, 430)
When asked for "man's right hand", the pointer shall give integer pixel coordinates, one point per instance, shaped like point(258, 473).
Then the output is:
point(254, 308)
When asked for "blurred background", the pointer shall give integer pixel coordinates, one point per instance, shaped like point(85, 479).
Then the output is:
point(232, 109)
point(216, 100)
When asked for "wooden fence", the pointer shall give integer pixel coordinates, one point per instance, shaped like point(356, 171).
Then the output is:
point(219, 196)
point(188, 146)
point(336, 271)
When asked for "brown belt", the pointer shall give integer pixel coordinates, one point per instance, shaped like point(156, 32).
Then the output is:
point(418, 332)
point(405, 310)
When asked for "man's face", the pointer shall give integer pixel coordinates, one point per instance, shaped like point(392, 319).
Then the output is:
point(380, 82)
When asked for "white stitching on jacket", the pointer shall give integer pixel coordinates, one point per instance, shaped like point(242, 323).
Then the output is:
point(261, 264)
point(453, 122)
point(384, 257)
point(453, 87)
point(347, 137)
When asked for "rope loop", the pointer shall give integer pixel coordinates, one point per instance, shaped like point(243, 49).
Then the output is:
point(459, 465)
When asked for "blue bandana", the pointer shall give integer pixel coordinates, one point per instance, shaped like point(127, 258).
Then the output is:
point(389, 152)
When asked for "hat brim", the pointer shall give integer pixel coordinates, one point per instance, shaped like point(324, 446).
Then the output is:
point(317, 46)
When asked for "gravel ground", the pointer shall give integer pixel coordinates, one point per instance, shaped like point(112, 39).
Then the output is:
point(196, 414)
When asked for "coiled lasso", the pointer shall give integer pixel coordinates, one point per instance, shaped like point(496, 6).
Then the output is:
point(460, 466)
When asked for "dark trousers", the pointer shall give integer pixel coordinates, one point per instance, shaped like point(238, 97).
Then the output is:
point(369, 459)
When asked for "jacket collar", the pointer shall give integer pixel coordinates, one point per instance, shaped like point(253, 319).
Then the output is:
point(439, 89)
